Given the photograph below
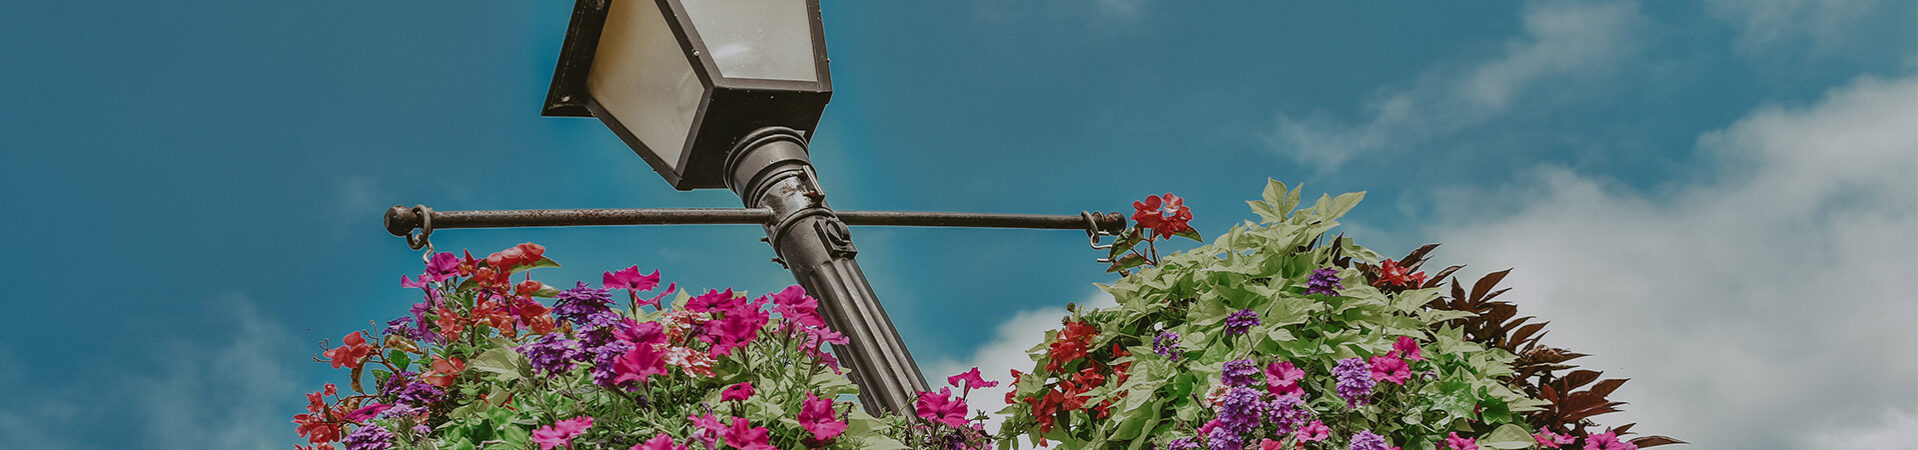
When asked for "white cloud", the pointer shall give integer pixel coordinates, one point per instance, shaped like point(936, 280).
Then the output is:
point(1562, 43)
point(231, 394)
point(1897, 429)
point(1007, 351)
point(1767, 24)
point(1764, 305)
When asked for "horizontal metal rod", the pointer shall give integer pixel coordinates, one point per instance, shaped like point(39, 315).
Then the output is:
point(401, 220)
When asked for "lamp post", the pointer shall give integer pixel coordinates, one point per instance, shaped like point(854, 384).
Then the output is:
point(723, 94)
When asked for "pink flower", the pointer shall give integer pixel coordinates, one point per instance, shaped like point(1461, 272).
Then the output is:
point(640, 334)
point(1459, 443)
point(1408, 348)
point(740, 392)
point(714, 301)
point(630, 279)
point(640, 363)
point(1269, 444)
point(816, 416)
point(562, 433)
point(740, 327)
point(659, 442)
point(1282, 378)
point(1390, 368)
point(795, 306)
point(1313, 432)
point(1607, 441)
point(942, 408)
point(1546, 438)
point(972, 380)
point(743, 438)
point(709, 428)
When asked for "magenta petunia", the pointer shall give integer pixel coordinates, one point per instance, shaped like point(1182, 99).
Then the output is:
point(561, 434)
point(816, 416)
point(737, 392)
point(1313, 432)
point(1453, 442)
point(744, 438)
point(1607, 441)
point(971, 380)
point(942, 407)
point(1546, 438)
point(630, 279)
point(1282, 378)
point(640, 363)
point(443, 265)
point(795, 306)
point(1408, 348)
point(658, 442)
point(1390, 368)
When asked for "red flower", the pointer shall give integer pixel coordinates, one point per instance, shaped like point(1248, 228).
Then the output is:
point(527, 288)
point(444, 371)
point(1045, 409)
point(316, 429)
point(1070, 345)
point(1391, 273)
point(1166, 215)
point(351, 354)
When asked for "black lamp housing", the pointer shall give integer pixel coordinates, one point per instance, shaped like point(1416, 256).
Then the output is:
point(727, 109)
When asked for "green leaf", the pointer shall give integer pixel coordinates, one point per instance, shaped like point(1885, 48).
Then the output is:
point(1130, 260)
point(505, 363)
point(541, 264)
point(1507, 436)
point(1190, 233)
point(399, 358)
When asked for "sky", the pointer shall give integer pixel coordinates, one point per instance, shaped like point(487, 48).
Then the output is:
point(1717, 199)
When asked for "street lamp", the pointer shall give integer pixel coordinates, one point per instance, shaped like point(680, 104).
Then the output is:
point(683, 81)
point(724, 93)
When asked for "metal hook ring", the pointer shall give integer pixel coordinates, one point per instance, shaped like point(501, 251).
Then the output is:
point(1093, 232)
point(422, 239)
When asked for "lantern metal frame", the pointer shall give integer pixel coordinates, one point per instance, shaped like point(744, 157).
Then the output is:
point(729, 108)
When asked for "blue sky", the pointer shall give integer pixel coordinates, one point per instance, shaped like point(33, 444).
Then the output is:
point(1719, 199)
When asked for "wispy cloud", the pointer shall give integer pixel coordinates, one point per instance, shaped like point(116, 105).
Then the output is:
point(1765, 305)
point(1562, 43)
point(237, 391)
point(1821, 25)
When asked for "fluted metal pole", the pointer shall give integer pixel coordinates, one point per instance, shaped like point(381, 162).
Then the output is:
point(770, 169)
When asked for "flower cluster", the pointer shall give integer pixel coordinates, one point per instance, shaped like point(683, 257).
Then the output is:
point(1257, 341)
point(480, 358)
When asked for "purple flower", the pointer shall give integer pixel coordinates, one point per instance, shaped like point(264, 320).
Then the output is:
point(1223, 439)
point(369, 436)
point(1167, 345)
point(1366, 440)
point(1323, 281)
point(580, 304)
point(604, 357)
point(443, 265)
point(410, 392)
point(1288, 412)
point(1182, 444)
point(402, 326)
point(1241, 372)
point(1355, 381)
point(1239, 322)
point(553, 354)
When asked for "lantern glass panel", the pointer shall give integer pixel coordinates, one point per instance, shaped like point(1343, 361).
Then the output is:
point(757, 39)
point(642, 78)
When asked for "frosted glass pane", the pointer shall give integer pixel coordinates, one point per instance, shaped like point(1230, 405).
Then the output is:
point(759, 39)
point(643, 79)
